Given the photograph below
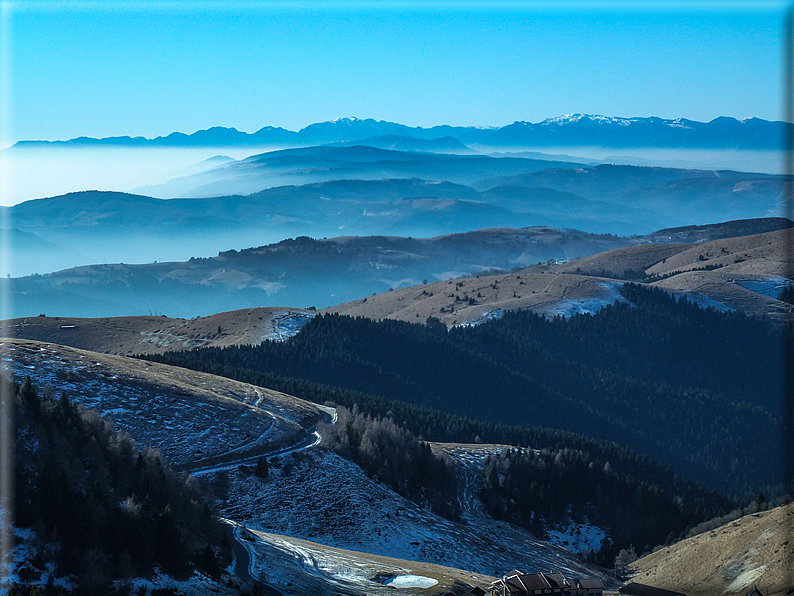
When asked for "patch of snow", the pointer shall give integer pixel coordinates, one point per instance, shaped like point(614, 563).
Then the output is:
point(286, 324)
point(567, 308)
point(766, 286)
point(490, 315)
point(706, 302)
point(411, 581)
point(578, 538)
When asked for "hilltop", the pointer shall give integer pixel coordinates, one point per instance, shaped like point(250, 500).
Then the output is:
point(746, 273)
point(126, 336)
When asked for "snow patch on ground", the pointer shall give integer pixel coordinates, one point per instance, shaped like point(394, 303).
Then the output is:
point(705, 302)
point(610, 293)
point(286, 324)
point(490, 315)
point(745, 580)
point(767, 286)
point(334, 503)
point(580, 538)
point(411, 581)
point(174, 421)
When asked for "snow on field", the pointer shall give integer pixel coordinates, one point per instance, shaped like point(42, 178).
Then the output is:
point(300, 567)
point(285, 324)
point(704, 301)
point(332, 502)
point(568, 307)
point(767, 286)
point(490, 315)
point(411, 581)
point(184, 426)
point(578, 537)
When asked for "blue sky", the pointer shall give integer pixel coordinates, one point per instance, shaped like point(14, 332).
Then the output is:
point(136, 68)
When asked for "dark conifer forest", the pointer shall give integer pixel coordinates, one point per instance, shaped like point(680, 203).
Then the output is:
point(694, 388)
point(102, 509)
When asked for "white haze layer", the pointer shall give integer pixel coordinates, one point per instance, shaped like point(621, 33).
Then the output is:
point(54, 170)
point(764, 162)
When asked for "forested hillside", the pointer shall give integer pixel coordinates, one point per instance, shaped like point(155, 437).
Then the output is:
point(697, 389)
point(101, 509)
point(586, 476)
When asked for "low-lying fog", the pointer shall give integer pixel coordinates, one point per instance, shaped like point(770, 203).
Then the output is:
point(37, 172)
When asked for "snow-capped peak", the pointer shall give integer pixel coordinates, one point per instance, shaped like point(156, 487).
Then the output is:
point(577, 118)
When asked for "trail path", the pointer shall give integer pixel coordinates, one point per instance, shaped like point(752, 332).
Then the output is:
point(244, 555)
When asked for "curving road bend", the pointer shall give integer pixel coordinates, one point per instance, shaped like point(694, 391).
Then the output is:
point(245, 556)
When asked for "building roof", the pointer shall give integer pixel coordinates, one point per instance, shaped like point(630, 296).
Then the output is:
point(524, 583)
point(533, 581)
point(556, 580)
point(635, 589)
point(591, 583)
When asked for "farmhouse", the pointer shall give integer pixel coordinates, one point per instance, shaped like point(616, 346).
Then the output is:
point(517, 583)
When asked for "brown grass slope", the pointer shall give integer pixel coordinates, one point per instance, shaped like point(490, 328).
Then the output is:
point(467, 300)
point(757, 549)
point(759, 254)
point(616, 263)
point(153, 335)
point(740, 269)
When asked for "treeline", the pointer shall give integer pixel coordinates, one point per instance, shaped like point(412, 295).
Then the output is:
point(392, 455)
point(435, 425)
point(535, 489)
point(695, 388)
point(629, 471)
point(101, 509)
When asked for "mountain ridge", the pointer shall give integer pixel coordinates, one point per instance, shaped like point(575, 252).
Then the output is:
point(571, 129)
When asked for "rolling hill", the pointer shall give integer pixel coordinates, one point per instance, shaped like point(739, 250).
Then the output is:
point(125, 336)
point(298, 272)
point(192, 419)
point(746, 273)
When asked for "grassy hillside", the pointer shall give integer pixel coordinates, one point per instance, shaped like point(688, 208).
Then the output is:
point(149, 334)
point(756, 549)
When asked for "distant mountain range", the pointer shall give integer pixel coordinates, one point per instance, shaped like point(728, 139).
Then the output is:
point(568, 130)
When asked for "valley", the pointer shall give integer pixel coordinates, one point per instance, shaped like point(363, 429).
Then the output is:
point(382, 359)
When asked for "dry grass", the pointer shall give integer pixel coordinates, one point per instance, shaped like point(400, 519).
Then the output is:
point(468, 300)
point(755, 549)
point(579, 286)
point(154, 335)
point(614, 263)
point(310, 566)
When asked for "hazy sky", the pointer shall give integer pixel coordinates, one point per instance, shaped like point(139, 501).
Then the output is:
point(135, 68)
